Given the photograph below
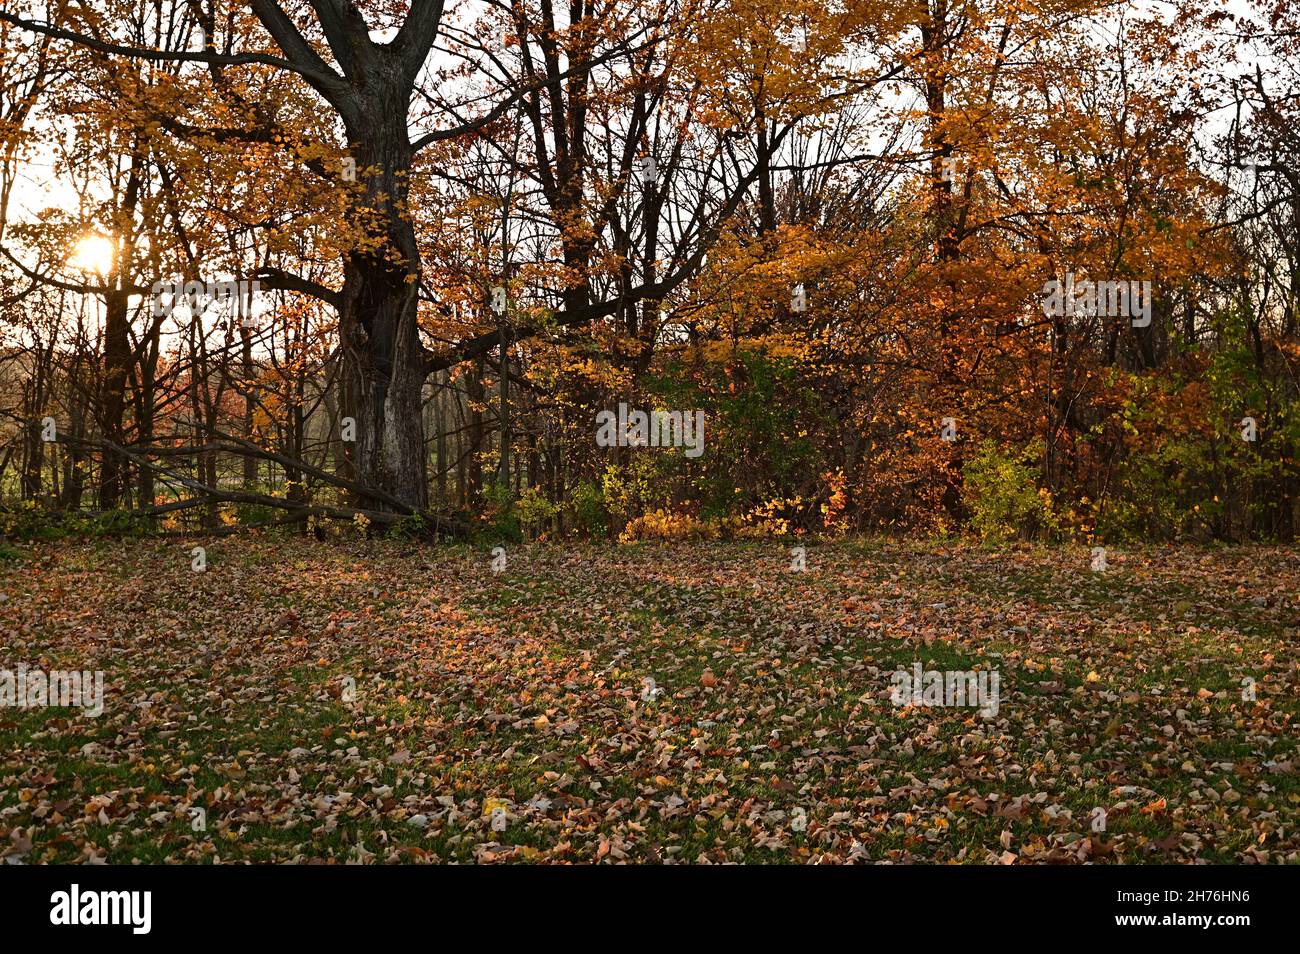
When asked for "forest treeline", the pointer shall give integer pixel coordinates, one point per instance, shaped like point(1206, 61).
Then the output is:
point(1027, 269)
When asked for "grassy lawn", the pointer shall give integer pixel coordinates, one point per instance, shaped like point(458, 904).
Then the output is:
point(379, 701)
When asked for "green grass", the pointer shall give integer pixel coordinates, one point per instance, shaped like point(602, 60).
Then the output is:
point(527, 685)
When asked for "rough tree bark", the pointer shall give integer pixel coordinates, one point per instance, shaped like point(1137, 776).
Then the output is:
point(383, 363)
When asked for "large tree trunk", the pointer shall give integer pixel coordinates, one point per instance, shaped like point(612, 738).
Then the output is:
point(116, 475)
point(383, 365)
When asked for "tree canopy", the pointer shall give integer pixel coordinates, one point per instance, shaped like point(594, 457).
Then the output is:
point(1024, 269)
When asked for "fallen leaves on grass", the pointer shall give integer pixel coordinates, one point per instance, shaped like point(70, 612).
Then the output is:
point(379, 702)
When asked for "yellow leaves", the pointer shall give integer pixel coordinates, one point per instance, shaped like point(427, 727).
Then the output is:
point(666, 525)
point(835, 510)
point(782, 60)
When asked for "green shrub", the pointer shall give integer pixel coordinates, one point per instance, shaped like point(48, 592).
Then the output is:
point(29, 521)
point(534, 511)
point(1002, 495)
point(638, 488)
point(587, 505)
point(501, 512)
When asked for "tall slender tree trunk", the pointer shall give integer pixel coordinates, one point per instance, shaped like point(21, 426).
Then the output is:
point(440, 429)
point(250, 399)
point(474, 464)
